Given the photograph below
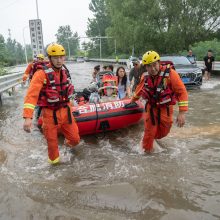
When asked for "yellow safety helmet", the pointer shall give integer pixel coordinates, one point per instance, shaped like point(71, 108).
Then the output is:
point(41, 56)
point(150, 57)
point(55, 50)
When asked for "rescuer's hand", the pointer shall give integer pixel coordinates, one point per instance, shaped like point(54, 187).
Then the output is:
point(180, 120)
point(24, 78)
point(27, 125)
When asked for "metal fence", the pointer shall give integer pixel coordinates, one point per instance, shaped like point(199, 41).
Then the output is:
point(9, 82)
point(200, 64)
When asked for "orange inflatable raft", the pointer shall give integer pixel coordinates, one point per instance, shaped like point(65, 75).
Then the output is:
point(95, 118)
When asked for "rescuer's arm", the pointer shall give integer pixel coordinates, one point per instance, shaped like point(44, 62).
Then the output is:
point(31, 98)
point(182, 97)
point(27, 72)
point(138, 90)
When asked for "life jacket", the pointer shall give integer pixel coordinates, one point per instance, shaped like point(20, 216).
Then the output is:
point(56, 92)
point(109, 82)
point(36, 66)
point(166, 63)
point(158, 94)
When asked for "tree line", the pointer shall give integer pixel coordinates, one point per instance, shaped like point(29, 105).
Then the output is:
point(166, 26)
point(12, 52)
point(131, 27)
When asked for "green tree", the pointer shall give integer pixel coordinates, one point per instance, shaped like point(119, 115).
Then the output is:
point(200, 49)
point(12, 52)
point(163, 25)
point(97, 27)
point(69, 40)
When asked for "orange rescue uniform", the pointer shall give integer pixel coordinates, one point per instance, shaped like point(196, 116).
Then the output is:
point(161, 130)
point(50, 130)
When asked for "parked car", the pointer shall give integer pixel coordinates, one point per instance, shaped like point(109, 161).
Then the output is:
point(86, 59)
point(80, 59)
point(190, 74)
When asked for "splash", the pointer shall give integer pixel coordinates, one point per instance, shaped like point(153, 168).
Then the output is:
point(209, 84)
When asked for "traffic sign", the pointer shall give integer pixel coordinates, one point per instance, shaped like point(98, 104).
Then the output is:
point(36, 33)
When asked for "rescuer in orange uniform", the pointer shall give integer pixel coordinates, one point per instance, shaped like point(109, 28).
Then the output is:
point(161, 87)
point(29, 69)
point(51, 89)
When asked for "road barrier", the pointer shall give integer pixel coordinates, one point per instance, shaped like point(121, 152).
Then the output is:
point(120, 61)
point(200, 64)
point(9, 82)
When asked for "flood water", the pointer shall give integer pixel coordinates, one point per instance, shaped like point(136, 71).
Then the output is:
point(108, 177)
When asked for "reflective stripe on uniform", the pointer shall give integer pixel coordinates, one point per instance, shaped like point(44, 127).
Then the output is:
point(183, 103)
point(165, 101)
point(57, 160)
point(53, 100)
point(28, 105)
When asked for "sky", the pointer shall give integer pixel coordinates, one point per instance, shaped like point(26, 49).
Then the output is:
point(15, 15)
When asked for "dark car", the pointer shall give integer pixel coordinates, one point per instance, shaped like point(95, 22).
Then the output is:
point(190, 74)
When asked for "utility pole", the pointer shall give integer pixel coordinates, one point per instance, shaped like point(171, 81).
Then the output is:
point(68, 48)
point(100, 43)
point(115, 48)
point(9, 33)
point(37, 9)
point(100, 48)
point(25, 50)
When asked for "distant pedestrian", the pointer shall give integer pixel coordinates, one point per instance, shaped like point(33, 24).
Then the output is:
point(135, 74)
point(209, 64)
point(191, 57)
point(116, 59)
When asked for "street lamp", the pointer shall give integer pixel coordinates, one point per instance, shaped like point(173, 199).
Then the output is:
point(100, 47)
point(68, 44)
point(100, 43)
point(115, 47)
point(25, 50)
point(37, 9)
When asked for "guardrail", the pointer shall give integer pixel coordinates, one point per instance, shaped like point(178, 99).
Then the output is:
point(200, 64)
point(9, 82)
point(120, 61)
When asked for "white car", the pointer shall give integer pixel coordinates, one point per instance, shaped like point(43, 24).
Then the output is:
point(80, 59)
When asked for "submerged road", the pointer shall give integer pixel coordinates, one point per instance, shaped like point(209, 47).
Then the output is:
point(109, 178)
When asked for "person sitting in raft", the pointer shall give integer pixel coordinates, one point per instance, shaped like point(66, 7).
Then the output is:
point(96, 70)
point(108, 90)
point(110, 68)
point(123, 83)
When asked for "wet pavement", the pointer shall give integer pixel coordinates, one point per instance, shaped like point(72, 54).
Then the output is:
point(108, 177)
